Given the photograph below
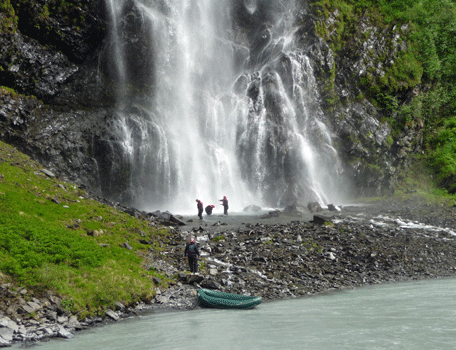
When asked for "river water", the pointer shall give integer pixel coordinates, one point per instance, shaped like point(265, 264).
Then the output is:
point(409, 315)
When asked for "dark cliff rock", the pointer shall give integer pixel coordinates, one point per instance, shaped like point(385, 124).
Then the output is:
point(41, 71)
point(64, 142)
point(57, 110)
point(59, 52)
point(365, 139)
point(54, 53)
point(75, 27)
point(32, 69)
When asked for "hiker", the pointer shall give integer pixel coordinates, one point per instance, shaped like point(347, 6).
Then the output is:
point(199, 205)
point(192, 252)
point(225, 205)
point(209, 209)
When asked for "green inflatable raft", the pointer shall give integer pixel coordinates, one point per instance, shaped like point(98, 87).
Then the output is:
point(216, 299)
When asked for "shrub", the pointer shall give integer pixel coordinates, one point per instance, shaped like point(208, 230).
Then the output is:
point(442, 159)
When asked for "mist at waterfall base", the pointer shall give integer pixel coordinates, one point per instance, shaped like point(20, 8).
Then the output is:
point(411, 315)
point(207, 109)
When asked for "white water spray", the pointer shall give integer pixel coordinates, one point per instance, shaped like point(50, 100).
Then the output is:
point(208, 127)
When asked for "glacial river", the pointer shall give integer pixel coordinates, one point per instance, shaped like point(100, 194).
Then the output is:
point(410, 315)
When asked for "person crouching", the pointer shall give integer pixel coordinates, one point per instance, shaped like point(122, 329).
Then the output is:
point(209, 209)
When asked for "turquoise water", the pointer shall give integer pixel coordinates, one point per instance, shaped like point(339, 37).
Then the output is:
point(412, 315)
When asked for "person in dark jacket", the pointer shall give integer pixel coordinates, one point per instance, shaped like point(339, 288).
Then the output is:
point(225, 205)
point(199, 205)
point(192, 252)
point(209, 209)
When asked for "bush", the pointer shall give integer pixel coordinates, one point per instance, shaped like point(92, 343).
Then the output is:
point(442, 159)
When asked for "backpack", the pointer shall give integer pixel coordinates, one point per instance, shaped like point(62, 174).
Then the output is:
point(192, 249)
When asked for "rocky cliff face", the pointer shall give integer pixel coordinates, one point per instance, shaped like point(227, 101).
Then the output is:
point(58, 99)
point(55, 100)
point(372, 151)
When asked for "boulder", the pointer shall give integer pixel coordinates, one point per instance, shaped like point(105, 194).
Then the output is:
point(252, 209)
point(332, 207)
point(314, 207)
point(295, 209)
point(6, 336)
point(211, 284)
point(274, 213)
point(64, 333)
point(321, 219)
point(31, 307)
point(112, 315)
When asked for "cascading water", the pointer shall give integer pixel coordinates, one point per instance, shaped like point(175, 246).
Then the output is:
point(204, 111)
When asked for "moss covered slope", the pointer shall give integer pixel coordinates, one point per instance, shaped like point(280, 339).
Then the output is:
point(53, 236)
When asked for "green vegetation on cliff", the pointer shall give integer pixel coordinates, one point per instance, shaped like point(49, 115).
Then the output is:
point(417, 86)
point(8, 18)
point(53, 236)
point(443, 155)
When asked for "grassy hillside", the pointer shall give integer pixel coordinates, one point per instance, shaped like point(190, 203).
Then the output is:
point(54, 237)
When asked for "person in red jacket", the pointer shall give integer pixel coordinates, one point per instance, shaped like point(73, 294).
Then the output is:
point(209, 209)
point(199, 205)
point(225, 205)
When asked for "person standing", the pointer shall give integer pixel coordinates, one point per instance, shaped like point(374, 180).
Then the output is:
point(225, 205)
point(199, 205)
point(192, 252)
point(209, 209)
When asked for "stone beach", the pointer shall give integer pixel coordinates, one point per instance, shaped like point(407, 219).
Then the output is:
point(273, 254)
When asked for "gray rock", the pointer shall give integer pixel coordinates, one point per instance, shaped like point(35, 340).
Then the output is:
point(31, 307)
point(161, 299)
point(252, 209)
point(73, 322)
point(48, 331)
point(314, 207)
point(112, 315)
point(274, 213)
point(5, 342)
point(48, 172)
point(295, 209)
point(6, 334)
point(320, 219)
point(52, 315)
point(332, 207)
point(62, 319)
point(119, 306)
point(13, 325)
point(63, 333)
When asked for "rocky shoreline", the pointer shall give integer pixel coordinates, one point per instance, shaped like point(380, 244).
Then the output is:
point(274, 255)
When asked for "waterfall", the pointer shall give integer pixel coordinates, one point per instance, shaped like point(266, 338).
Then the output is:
point(203, 112)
